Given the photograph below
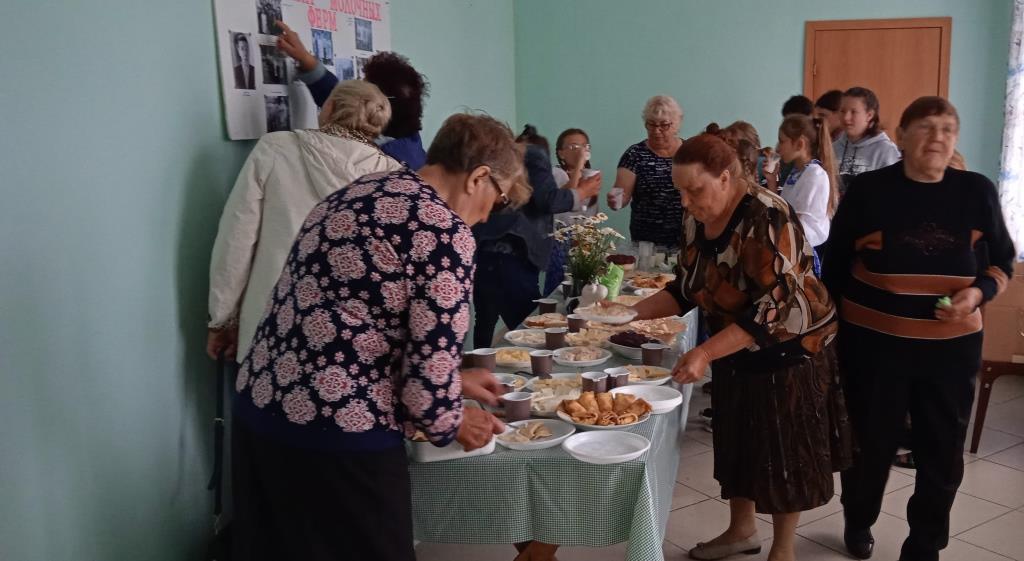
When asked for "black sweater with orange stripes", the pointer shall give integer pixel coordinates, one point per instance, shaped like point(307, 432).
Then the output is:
point(896, 246)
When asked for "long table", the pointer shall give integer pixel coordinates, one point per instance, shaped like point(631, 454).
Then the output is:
point(513, 496)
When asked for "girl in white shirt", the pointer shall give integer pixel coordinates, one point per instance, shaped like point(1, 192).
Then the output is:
point(811, 188)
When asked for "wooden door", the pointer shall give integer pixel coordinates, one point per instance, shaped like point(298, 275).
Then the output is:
point(899, 59)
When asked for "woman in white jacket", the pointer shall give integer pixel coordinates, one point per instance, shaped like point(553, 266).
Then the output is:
point(286, 175)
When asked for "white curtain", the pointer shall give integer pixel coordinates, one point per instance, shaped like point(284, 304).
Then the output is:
point(1011, 179)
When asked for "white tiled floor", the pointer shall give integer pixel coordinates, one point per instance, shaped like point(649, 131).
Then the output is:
point(987, 522)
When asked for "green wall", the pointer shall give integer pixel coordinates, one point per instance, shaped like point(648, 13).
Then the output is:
point(113, 172)
point(593, 65)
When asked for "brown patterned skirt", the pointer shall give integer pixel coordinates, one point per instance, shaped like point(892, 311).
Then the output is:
point(780, 435)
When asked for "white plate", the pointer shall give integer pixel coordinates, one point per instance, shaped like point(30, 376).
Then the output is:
point(605, 355)
point(632, 353)
point(556, 375)
point(554, 399)
point(565, 417)
point(655, 381)
point(610, 447)
point(594, 314)
point(512, 379)
point(663, 399)
point(646, 292)
point(513, 338)
point(559, 432)
point(525, 364)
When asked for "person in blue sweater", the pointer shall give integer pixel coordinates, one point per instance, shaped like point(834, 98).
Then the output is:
point(391, 72)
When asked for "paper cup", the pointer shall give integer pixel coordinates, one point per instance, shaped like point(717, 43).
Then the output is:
point(653, 354)
point(516, 405)
point(596, 382)
point(617, 194)
point(541, 363)
point(587, 173)
point(618, 380)
point(486, 358)
point(554, 338)
point(567, 289)
point(576, 323)
point(547, 305)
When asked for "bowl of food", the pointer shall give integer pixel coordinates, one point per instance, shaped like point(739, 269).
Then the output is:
point(517, 382)
point(648, 375)
point(604, 411)
point(535, 434)
point(616, 314)
point(627, 344)
point(543, 321)
point(513, 357)
point(526, 338)
point(581, 357)
point(588, 337)
point(548, 393)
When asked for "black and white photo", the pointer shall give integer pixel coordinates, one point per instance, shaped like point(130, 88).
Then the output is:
point(360, 65)
point(268, 12)
point(274, 65)
point(278, 118)
point(364, 35)
point(245, 72)
point(345, 68)
point(323, 46)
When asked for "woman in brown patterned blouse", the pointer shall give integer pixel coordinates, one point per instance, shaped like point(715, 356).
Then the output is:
point(780, 420)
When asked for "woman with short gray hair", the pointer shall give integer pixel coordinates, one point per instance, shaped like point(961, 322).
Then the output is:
point(644, 177)
point(286, 175)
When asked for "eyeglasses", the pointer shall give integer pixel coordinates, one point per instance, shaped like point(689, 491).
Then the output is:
point(662, 126)
point(575, 147)
point(503, 200)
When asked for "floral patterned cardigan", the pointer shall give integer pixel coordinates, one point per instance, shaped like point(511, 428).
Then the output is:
point(362, 338)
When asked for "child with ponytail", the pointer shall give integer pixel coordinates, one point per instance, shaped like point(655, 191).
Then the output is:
point(811, 188)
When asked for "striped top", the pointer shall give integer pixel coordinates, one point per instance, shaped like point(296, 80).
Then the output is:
point(898, 245)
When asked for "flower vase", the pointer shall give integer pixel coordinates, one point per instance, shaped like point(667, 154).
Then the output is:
point(592, 294)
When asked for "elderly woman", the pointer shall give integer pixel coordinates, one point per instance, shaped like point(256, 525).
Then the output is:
point(915, 248)
point(780, 422)
point(286, 175)
point(645, 176)
point(360, 346)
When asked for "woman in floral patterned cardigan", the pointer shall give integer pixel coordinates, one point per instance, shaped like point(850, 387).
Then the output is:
point(360, 345)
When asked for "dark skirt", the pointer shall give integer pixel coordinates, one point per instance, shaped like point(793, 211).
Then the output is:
point(780, 435)
point(291, 503)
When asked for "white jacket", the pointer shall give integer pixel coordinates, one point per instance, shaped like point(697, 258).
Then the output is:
point(285, 176)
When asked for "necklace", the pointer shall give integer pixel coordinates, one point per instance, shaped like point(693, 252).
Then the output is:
point(334, 129)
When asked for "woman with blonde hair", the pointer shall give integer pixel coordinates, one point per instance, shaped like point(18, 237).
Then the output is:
point(286, 175)
point(644, 178)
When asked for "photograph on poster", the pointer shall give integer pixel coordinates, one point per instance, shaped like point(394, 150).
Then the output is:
point(278, 118)
point(274, 65)
point(360, 65)
point(268, 12)
point(364, 35)
point(345, 68)
point(323, 46)
point(245, 73)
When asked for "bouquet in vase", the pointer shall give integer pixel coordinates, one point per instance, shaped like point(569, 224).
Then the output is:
point(590, 246)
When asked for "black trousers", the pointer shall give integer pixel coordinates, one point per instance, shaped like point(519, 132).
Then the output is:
point(884, 384)
point(293, 504)
point(506, 286)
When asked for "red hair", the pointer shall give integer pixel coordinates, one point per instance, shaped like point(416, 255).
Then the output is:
point(710, 151)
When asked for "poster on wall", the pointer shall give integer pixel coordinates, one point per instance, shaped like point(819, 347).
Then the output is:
point(258, 84)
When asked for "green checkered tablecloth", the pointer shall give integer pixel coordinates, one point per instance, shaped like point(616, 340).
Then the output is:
point(513, 496)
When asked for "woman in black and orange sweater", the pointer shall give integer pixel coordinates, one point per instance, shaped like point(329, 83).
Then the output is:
point(915, 249)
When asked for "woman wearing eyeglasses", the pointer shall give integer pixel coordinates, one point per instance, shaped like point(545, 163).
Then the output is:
point(572, 149)
point(645, 177)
